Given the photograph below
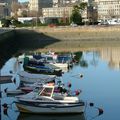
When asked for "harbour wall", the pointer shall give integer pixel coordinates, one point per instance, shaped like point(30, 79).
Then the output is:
point(103, 33)
point(64, 33)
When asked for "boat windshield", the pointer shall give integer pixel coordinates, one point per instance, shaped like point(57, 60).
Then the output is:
point(46, 92)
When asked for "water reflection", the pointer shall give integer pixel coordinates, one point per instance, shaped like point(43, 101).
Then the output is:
point(98, 84)
point(8, 49)
point(51, 117)
point(112, 56)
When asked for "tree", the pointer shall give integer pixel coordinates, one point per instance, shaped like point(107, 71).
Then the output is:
point(5, 22)
point(24, 13)
point(14, 7)
point(82, 6)
point(77, 12)
point(76, 16)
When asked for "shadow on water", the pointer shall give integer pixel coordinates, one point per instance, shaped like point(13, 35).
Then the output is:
point(7, 49)
point(24, 40)
point(32, 40)
point(51, 117)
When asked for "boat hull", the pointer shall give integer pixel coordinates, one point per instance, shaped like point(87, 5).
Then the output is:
point(60, 65)
point(33, 78)
point(51, 108)
point(37, 69)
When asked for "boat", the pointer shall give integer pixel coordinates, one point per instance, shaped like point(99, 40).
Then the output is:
point(46, 101)
point(27, 77)
point(50, 56)
point(66, 59)
point(36, 66)
point(46, 62)
point(59, 65)
point(42, 70)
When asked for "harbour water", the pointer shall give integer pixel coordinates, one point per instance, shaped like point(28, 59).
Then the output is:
point(100, 83)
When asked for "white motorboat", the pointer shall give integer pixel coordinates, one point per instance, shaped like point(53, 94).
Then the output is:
point(46, 101)
point(33, 78)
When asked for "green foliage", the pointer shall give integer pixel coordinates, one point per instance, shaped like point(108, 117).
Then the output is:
point(6, 22)
point(15, 22)
point(76, 13)
point(76, 16)
point(82, 5)
point(83, 63)
point(78, 55)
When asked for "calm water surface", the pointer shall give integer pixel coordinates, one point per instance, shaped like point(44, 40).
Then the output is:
point(100, 84)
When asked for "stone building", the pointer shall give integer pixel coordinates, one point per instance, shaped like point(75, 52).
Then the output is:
point(5, 8)
point(37, 5)
point(108, 9)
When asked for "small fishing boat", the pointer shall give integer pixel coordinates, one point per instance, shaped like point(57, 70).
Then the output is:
point(27, 77)
point(36, 66)
point(46, 101)
point(42, 70)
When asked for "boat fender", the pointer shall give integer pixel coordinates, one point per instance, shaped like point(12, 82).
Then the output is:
point(81, 75)
point(69, 85)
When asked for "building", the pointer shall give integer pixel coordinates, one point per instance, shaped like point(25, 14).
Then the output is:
point(112, 56)
point(63, 9)
point(34, 5)
point(37, 5)
point(108, 9)
point(57, 13)
point(6, 7)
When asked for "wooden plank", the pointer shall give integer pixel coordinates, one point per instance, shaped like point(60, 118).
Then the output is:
point(5, 79)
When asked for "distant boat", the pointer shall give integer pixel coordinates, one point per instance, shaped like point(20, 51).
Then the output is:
point(27, 77)
point(46, 101)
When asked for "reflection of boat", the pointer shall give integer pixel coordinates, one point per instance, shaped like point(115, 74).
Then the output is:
point(46, 101)
point(32, 78)
point(51, 117)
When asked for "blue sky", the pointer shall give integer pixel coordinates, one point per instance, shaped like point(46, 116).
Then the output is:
point(22, 0)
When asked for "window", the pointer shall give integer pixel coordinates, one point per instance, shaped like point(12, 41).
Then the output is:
point(46, 92)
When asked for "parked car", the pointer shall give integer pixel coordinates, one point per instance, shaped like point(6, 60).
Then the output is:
point(73, 25)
